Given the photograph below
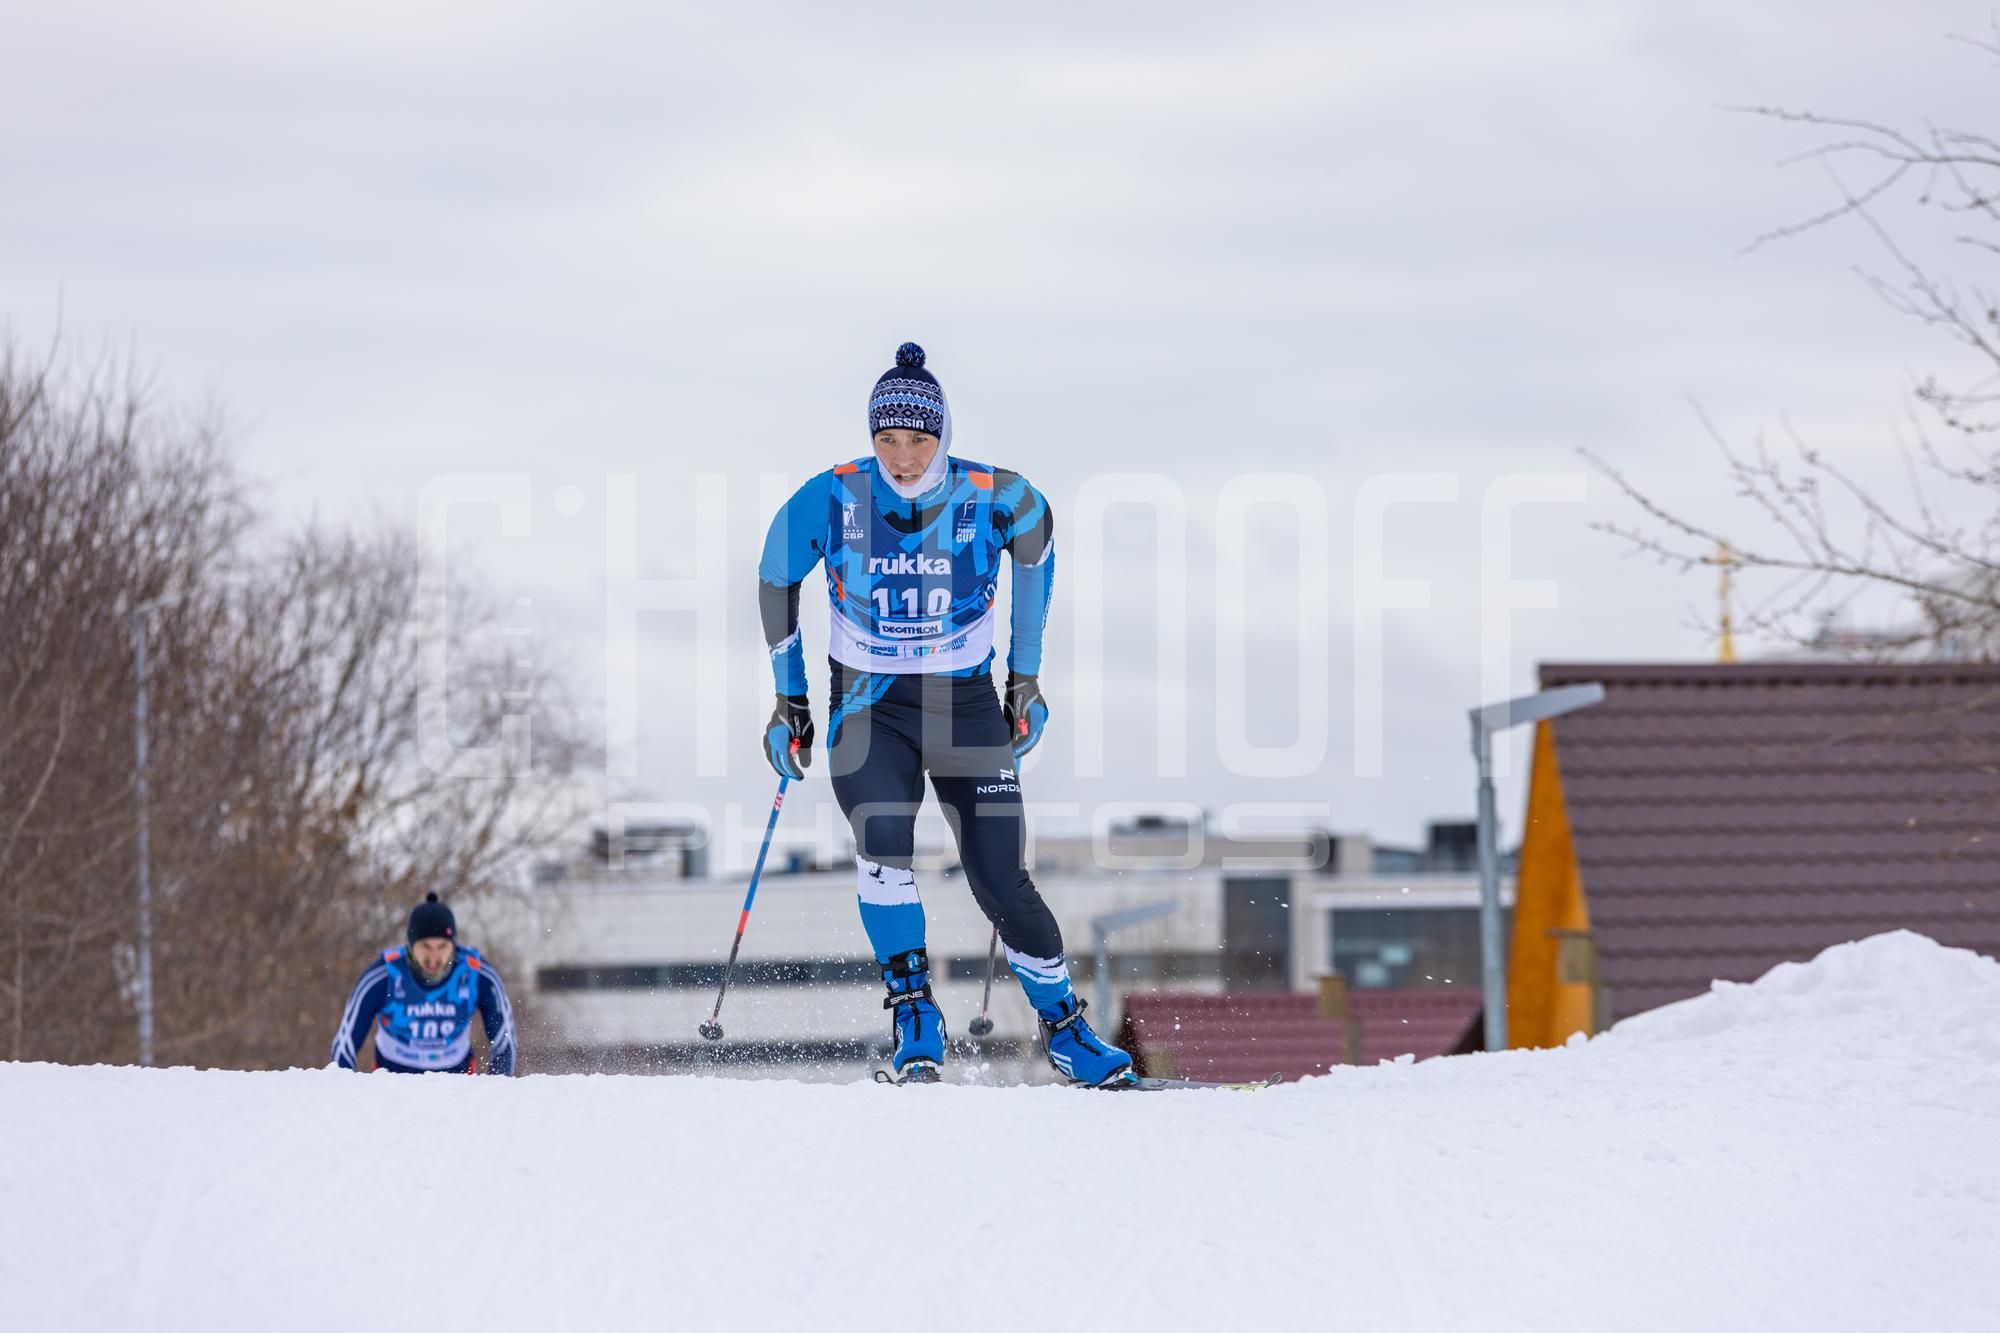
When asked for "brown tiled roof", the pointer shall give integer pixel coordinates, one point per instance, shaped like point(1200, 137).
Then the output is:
point(1728, 818)
point(1250, 1036)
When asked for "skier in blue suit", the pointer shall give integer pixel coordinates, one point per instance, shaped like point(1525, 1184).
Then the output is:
point(421, 1000)
point(911, 538)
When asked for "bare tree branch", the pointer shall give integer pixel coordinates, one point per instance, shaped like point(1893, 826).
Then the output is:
point(293, 818)
point(1823, 536)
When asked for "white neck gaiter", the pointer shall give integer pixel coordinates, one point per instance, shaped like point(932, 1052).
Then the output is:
point(924, 484)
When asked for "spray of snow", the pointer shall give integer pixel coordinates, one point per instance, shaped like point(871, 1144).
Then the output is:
point(1817, 1150)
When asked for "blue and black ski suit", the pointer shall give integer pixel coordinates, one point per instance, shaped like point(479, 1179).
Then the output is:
point(912, 583)
point(422, 1028)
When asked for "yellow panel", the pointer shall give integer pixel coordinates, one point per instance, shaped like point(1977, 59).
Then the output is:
point(1548, 995)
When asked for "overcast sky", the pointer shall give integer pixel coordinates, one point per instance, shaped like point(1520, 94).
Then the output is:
point(1291, 247)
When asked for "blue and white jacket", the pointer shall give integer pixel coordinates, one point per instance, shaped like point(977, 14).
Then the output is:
point(419, 1028)
point(911, 581)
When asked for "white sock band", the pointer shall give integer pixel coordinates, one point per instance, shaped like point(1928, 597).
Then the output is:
point(884, 886)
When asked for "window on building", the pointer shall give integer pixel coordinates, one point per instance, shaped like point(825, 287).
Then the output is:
point(1406, 948)
point(1256, 932)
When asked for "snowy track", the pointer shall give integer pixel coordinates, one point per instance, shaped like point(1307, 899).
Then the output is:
point(1819, 1151)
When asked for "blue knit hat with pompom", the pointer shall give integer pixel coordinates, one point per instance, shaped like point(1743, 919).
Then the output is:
point(432, 920)
point(908, 397)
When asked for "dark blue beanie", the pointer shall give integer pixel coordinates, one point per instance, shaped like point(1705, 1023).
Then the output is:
point(908, 397)
point(432, 920)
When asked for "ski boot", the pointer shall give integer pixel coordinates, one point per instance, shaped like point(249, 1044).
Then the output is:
point(1077, 1053)
point(919, 1023)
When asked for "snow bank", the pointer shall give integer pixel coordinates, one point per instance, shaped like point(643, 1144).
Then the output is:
point(1891, 991)
point(1819, 1150)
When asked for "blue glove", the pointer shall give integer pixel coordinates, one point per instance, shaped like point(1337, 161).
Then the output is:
point(788, 736)
point(1027, 713)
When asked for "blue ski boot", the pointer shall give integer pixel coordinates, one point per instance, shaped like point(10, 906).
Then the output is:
point(1079, 1054)
point(920, 1035)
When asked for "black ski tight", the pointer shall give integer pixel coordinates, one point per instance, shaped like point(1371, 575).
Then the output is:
point(885, 733)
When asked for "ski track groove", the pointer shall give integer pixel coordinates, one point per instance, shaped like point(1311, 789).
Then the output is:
point(172, 1201)
point(1385, 1196)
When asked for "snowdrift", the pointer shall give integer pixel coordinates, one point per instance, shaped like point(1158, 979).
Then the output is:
point(1818, 1150)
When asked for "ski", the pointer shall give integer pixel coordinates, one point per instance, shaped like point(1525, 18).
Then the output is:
point(1135, 1083)
point(923, 1073)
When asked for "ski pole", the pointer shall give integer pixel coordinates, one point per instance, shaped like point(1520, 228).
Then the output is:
point(712, 1029)
point(982, 1025)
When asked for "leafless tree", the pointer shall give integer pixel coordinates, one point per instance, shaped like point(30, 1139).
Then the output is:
point(294, 815)
point(1824, 534)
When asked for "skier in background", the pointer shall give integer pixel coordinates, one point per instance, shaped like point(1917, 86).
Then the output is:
point(421, 1001)
point(912, 538)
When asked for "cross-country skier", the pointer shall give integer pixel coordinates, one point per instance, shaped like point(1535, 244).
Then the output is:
point(911, 538)
point(421, 1000)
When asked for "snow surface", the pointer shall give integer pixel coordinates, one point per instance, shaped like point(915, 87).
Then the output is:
point(1818, 1150)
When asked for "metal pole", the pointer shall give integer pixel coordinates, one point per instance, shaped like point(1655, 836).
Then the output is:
point(1485, 721)
point(712, 1029)
point(145, 851)
point(982, 1026)
point(1492, 963)
point(1103, 927)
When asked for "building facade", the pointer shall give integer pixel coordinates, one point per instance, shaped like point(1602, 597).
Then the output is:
point(623, 955)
